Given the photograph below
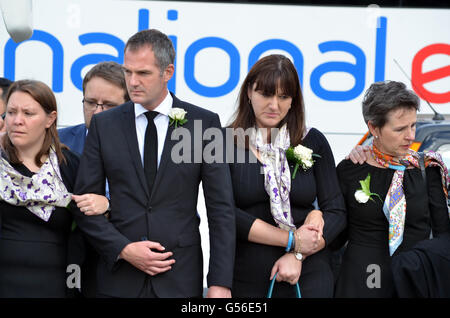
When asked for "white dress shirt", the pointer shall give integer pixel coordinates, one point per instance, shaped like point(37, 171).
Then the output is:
point(161, 122)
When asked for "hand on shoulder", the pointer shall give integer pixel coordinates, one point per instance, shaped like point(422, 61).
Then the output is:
point(359, 154)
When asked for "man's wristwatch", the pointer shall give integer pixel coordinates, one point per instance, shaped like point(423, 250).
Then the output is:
point(109, 207)
point(298, 256)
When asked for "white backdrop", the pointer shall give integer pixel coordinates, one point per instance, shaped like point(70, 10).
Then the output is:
point(343, 50)
point(75, 25)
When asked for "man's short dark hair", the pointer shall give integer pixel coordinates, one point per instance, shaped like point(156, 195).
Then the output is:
point(160, 44)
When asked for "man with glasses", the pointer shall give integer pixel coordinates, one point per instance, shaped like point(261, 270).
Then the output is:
point(104, 87)
point(4, 85)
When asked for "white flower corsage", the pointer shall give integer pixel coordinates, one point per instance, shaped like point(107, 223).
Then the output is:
point(300, 156)
point(363, 195)
point(177, 117)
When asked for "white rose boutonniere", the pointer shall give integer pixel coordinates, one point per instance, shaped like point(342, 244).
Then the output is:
point(363, 195)
point(177, 117)
point(300, 156)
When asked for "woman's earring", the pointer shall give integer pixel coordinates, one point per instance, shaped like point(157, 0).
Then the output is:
point(249, 101)
point(376, 137)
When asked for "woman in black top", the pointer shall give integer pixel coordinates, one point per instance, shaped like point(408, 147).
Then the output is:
point(396, 208)
point(279, 228)
point(37, 176)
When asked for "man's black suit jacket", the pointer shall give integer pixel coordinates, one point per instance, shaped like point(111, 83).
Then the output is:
point(168, 215)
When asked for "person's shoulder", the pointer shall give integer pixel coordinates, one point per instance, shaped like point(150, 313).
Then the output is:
point(71, 129)
point(127, 106)
point(434, 172)
point(192, 110)
point(115, 112)
point(72, 159)
point(345, 164)
point(314, 136)
point(316, 140)
point(70, 155)
point(347, 170)
point(314, 132)
point(69, 168)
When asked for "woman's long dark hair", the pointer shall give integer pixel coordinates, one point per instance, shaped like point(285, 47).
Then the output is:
point(270, 73)
point(42, 94)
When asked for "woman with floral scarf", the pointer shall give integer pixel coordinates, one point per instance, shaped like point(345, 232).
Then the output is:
point(391, 206)
point(37, 176)
point(279, 171)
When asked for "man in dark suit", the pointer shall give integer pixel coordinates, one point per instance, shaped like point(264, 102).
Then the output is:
point(103, 88)
point(150, 245)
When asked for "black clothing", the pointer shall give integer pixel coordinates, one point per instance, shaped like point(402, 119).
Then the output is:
point(424, 271)
point(367, 231)
point(150, 150)
point(254, 261)
point(167, 214)
point(33, 253)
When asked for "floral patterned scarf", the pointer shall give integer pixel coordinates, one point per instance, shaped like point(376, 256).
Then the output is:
point(277, 178)
point(41, 193)
point(394, 206)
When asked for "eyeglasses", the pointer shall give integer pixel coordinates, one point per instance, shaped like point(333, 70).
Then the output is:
point(92, 104)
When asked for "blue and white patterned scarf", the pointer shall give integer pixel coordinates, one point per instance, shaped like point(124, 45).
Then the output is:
point(394, 206)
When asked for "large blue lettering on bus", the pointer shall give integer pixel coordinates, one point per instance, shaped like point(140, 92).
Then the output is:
point(357, 70)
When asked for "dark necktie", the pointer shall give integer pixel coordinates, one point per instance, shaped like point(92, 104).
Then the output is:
point(150, 150)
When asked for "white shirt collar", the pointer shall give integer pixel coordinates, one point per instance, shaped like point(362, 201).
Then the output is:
point(162, 109)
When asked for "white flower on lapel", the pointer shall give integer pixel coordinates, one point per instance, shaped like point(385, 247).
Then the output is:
point(177, 116)
point(361, 196)
point(301, 156)
point(305, 155)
